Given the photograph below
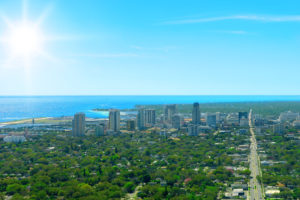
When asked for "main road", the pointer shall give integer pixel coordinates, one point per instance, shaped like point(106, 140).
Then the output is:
point(256, 192)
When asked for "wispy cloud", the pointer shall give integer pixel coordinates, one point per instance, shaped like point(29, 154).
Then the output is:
point(162, 48)
point(137, 47)
point(236, 32)
point(292, 18)
point(108, 55)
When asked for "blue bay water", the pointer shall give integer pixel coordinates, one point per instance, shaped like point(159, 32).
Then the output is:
point(23, 107)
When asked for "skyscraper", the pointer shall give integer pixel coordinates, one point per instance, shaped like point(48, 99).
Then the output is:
point(196, 115)
point(78, 125)
point(141, 119)
point(114, 120)
point(150, 117)
point(170, 110)
point(176, 121)
point(99, 130)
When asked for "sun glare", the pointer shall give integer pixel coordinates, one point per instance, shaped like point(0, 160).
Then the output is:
point(24, 40)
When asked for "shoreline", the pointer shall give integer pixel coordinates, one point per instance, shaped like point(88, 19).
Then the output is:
point(29, 120)
point(269, 107)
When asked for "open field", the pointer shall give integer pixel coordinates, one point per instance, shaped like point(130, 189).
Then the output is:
point(42, 120)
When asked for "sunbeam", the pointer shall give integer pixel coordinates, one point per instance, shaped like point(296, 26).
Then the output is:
point(24, 39)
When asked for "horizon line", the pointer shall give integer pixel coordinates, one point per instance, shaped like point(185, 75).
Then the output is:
point(45, 95)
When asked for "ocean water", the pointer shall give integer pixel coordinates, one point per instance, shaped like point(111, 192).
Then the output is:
point(23, 107)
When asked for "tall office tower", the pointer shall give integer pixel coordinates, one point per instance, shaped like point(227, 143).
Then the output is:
point(211, 120)
point(150, 117)
point(99, 130)
point(196, 115)
point(243, 115)
point(170, 110)
point(192, 130)
point(130, 125)
point(176, 121)
point(218, 117)
point(141, 119)
point(114, 120)
point(78, 125)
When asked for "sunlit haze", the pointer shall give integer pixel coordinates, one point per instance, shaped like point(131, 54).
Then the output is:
point(149, 99)
point(24, 40)
point(80, 47)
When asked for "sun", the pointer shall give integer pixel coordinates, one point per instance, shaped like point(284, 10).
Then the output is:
point(24, 40)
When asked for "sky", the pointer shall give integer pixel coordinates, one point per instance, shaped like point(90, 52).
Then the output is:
point(133, 47)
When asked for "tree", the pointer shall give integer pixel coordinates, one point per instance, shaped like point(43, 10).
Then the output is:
point(15, 188)
point(2, 197)
point(17, 197)
point(129, 187)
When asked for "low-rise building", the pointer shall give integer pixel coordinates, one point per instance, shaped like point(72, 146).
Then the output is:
point(14, 138)
point(278, 128)
point(130, 125)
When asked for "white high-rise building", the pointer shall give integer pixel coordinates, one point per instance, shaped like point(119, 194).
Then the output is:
point(170, 110)
point(114, 120)
point(78, 125)
point(150, 117)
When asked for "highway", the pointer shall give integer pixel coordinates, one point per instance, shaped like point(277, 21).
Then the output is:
point(256, 192)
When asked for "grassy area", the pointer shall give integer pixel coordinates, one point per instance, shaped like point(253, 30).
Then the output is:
point(52, 120)
point(42, 120)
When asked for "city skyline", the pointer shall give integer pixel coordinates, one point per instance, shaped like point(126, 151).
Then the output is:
point(157, 48)
point(131, 99)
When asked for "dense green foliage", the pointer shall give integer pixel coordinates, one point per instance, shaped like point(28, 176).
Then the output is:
point(110, 167)
point(285, 153)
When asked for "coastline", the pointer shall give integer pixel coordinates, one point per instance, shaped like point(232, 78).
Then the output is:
point(40, 120)
point(48, 108)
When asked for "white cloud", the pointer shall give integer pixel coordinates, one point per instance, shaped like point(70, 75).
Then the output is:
point(236, 32)
point(162, 48)
point(108, 55)
point(292, 18)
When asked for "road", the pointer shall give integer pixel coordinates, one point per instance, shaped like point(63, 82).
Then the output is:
point(256, 192)
point(133, 196)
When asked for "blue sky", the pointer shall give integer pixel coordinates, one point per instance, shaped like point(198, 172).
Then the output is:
point(152, 47)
